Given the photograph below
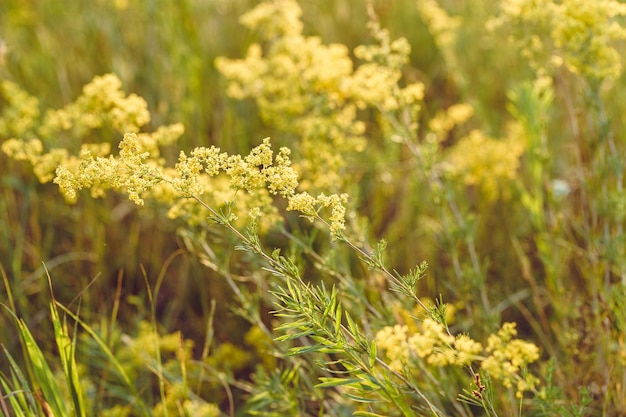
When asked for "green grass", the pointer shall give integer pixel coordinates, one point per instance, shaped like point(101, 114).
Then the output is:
point(519, 210)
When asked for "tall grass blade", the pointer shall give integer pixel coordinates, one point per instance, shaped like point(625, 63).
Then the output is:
point(140, 405)
point(20, 395)
point(46, 379)
point(67, 352)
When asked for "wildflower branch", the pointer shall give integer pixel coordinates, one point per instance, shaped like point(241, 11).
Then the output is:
point(317, 315)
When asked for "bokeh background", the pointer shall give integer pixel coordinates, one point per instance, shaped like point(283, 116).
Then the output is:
point(544, 248)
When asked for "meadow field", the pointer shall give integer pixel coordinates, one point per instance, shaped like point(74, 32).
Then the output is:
point(312, 208)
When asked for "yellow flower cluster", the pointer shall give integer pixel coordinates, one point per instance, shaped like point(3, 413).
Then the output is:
point(430, 342)
point(506, 357)
point(275, 19)
point(441, 25)
point(375, 83)
point(102, 103)
point(261, 343)
point(260, 174)
point(384, 60)
point(297, 86)
point(20, 117)
point(579, 32)
point(393, 341)
point(250, 182)
point(311, 90)
point(143, 347)
point(310, 206)
point(177, 401)
point(445, 121)
point(485, 163)
point(141, 350)
point(131, 172)
point(584, 31)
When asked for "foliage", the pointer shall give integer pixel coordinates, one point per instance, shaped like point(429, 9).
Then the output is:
point(485, 142)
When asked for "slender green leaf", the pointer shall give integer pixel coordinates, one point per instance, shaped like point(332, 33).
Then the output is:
point(372, 357)
point(20, 383)
point(294, 335)
point(354, 329)
point(328, 382)
point(367, 414)
point(338, 314)
point(112, 359)
point(67, 352)
point(16, 397)
point(362, 399)
point(46, 379)
point(293, 325)
point(301, 350)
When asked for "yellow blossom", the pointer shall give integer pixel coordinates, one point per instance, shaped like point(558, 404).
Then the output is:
point(393, 341)
point(19, 118)
point(101, 103)
point(443, 29)
point(466, 350)
point(274, 18)
point(45, 166)
point(130, 173)
point(579, 32)
point(486, 163)
point(246, 184)
point(431, 342)
point(23, 150)
point(508, 356)
point(200, 409)
point(412, 93)
point(506, 361)
point(259, 176)
point(445, 121)
point(310, 90)
point(302, 202)
point(370, 86)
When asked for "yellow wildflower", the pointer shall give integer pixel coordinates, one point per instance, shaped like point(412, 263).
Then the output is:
point(200, 409)
point(370, 86)
point(23, 150)
point(443, 28)
point(445, 121)
point(393, 341)
point(45, 165)
point(246, 184)
point(310, 90)
point(431, 337)
point(580, 32)
point(508, 356)
point(465, 350)
point(486, 163)
point(19, 118)
point(274, 18)
point(302, 202)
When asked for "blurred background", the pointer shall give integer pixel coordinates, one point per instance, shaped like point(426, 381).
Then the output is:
point(546, 250)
